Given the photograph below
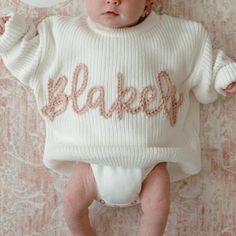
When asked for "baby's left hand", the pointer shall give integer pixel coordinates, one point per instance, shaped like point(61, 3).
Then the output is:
point(231, 89)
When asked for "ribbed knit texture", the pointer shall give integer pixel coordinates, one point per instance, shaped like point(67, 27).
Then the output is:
point(73, 63)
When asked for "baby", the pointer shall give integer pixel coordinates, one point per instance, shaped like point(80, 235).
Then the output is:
point(119, 91)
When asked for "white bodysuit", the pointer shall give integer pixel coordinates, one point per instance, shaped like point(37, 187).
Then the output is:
point(122, 100)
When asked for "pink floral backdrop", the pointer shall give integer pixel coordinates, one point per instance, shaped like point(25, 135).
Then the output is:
point(30, 194)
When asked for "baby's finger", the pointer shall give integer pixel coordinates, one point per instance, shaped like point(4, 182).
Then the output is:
point(230, 94)
point(231, 89)
point(5, 18)
point(1, 26)
point(230, 86)
point(2, 22)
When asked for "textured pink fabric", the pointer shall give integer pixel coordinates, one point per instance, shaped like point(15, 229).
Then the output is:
point(203, 205)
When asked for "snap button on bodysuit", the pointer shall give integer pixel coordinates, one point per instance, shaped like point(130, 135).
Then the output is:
point(102, 201)
point(134, 202)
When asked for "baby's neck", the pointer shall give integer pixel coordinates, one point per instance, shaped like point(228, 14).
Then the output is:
point(141, 19)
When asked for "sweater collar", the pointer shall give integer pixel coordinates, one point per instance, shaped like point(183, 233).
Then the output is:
point(151, 20)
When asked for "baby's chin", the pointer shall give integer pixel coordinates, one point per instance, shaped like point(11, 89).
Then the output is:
point(116, 23)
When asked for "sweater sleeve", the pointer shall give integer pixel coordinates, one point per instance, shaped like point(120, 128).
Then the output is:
point(213, 70)
point(20, 48)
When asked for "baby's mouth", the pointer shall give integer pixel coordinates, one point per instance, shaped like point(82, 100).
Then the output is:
point(110, 13)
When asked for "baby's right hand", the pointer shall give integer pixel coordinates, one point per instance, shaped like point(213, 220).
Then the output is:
point(231, 89)
point(3, 21)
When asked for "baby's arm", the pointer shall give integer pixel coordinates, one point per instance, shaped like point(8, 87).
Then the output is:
point(214, 72)
point(20, 47)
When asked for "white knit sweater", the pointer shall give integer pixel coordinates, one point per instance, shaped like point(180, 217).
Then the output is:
point(121, 97)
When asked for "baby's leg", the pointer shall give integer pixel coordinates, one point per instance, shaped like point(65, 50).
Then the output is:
point(155, 202)
point(79, 194)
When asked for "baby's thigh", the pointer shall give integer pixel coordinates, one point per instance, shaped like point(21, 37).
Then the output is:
point(155, 192)
point(81, 187)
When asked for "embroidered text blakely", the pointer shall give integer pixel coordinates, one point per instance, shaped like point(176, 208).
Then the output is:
point(58, 100)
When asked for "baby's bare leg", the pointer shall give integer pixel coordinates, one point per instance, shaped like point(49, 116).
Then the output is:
point(79, 194)
point(155, 202)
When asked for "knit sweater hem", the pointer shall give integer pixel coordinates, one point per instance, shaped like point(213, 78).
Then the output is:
point(63, 159)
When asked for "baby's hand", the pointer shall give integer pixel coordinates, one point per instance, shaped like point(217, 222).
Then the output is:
point(231, 89)
point(3, 21)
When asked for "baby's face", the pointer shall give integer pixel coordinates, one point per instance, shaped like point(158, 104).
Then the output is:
point(116, 13)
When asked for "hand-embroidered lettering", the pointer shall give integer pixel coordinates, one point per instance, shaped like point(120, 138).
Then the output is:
point(58, 100)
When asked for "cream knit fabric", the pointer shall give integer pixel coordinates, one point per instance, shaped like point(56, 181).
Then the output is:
point(120, 97)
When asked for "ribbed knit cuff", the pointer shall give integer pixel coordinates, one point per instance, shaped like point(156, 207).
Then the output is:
point(15, 28)
point(224, 77)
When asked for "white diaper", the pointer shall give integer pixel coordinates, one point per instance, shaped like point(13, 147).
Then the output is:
point(117, 186)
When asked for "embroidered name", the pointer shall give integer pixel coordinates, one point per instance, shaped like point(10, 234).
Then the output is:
point(58, 100)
